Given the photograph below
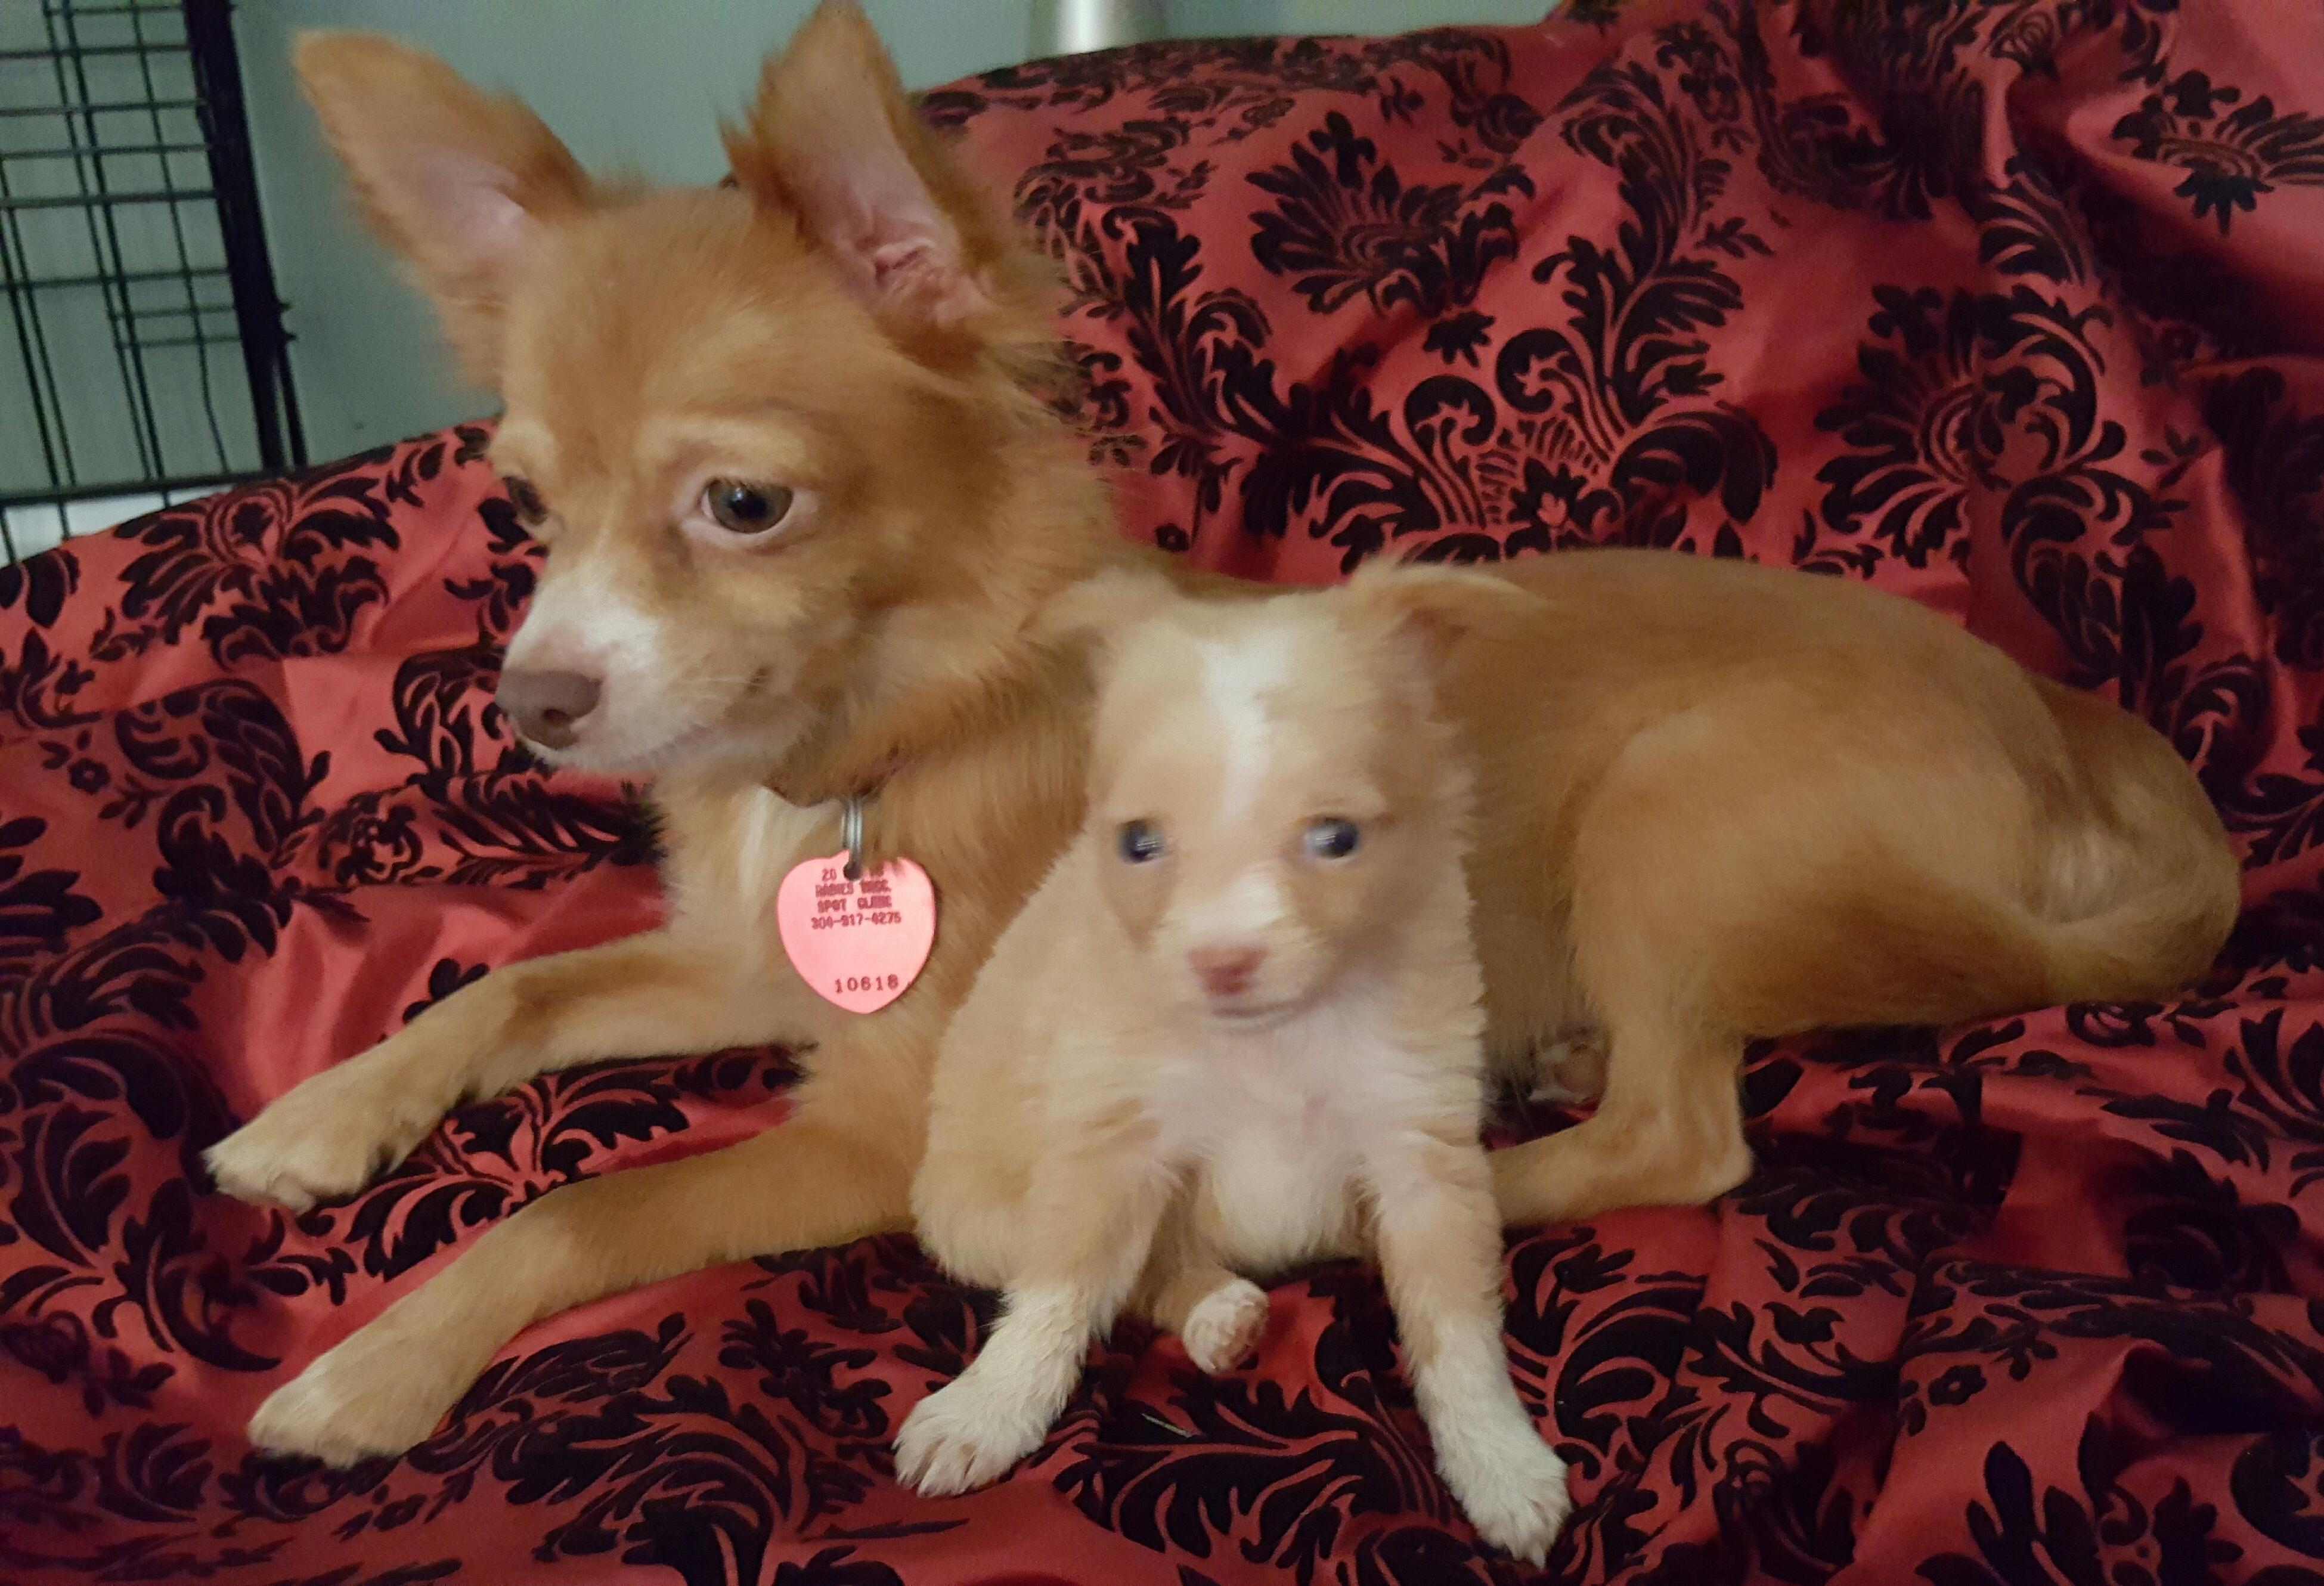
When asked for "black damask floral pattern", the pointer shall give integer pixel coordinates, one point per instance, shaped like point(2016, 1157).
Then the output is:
point(2233, 150)
point(1343, 227)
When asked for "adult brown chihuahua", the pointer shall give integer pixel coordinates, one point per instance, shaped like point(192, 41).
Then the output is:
point(802, 499)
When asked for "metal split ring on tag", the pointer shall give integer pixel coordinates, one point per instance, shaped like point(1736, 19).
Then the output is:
point(851, 835)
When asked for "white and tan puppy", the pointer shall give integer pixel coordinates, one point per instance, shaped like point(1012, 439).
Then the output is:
point(1240, 1026)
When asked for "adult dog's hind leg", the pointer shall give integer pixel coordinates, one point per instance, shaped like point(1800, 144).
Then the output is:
point(1667, 1132)
point(802, 1185)
point(650, 994)
point(1774, 865)
point(1660, 898)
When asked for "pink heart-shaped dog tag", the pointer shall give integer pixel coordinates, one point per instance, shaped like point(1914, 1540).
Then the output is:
point(860, 943)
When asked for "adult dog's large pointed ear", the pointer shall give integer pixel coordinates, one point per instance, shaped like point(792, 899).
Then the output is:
point(834, 141)
point(458, 181)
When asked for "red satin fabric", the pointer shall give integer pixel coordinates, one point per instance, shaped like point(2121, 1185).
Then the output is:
point(2009, 307)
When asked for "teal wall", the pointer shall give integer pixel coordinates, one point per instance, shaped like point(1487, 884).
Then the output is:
point(635, 85)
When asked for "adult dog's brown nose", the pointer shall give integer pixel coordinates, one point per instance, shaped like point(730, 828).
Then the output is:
point(1226, 971)
point(548, 706)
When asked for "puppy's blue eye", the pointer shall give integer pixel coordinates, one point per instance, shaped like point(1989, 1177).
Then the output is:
point(1139, 842)
point(1332, 839)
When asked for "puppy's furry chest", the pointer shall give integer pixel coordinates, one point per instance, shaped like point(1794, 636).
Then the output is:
point(1275, 1191)
point(1272, 1132)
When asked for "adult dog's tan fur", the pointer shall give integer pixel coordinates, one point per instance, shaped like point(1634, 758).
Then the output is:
point(1716, 799)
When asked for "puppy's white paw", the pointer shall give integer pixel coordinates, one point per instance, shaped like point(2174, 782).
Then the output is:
point(377, 1393)
point(1513, 1487)
point(963, 1436)
point(1224, 1328)
point(324, 1139)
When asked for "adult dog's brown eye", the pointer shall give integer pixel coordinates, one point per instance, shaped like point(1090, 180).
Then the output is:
point(530, 508)
point(742, 507)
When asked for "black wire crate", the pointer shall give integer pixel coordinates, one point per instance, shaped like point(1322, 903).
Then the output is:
point(144, 356)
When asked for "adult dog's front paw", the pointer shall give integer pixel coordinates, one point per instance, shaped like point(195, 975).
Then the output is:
point(325, 1138)
point(377, 1393)
point(964, 1436)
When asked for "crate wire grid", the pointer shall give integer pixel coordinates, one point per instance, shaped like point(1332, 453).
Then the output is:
point(151, 362)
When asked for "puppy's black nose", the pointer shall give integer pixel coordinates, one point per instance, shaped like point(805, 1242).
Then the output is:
point(548, 706)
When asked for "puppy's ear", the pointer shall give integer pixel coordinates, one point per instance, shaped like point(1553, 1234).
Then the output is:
point(1100, 609)
point(834, 141)
point(1430, 608)
point(458, 181)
